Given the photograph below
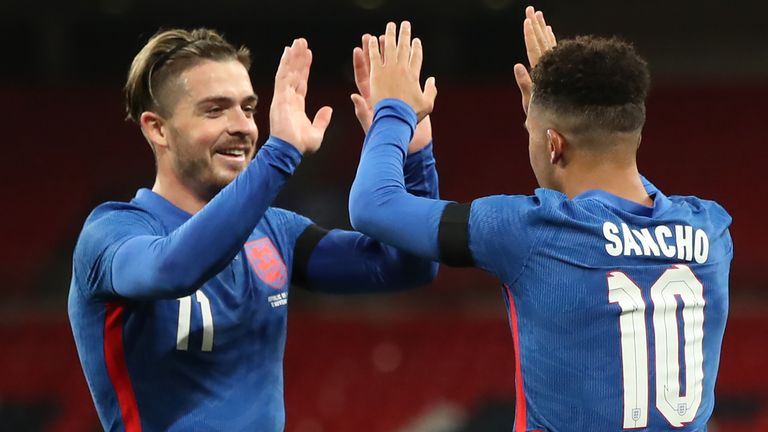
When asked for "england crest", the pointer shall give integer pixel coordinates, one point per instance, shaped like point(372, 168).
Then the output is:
point(266, 262)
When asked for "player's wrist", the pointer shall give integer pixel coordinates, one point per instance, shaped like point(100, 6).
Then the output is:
point(287, 154)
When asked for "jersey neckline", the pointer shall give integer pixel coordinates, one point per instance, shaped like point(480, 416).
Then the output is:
point(660, 201)
point(157, 204)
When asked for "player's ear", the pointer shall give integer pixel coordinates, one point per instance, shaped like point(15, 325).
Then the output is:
point(153, 128)
point(556, 144)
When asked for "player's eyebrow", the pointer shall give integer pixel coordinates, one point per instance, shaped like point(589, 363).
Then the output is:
point(225, 100)
point(251, 99)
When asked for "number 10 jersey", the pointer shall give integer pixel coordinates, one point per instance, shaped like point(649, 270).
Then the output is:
point(617, 310)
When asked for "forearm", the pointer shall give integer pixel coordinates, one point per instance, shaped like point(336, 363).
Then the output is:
point(420, 174)
point(178, 264)
point(347, 262)
point(379, 204)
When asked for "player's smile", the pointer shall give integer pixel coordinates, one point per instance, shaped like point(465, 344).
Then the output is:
point(233, 156)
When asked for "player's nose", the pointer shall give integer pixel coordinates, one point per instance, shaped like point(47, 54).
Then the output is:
point(242, 123)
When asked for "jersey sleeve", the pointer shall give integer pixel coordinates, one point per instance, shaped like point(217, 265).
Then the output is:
point(502, 230)
point(379, 204)
point(145, 266)
point(420, 173)
point(433, 229)
point(102, 235)
point(345, 262)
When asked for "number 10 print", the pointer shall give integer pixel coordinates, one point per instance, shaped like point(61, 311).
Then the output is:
point(678, 282)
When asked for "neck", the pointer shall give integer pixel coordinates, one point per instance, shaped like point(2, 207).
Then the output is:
point(622, 181)
point(178, 193)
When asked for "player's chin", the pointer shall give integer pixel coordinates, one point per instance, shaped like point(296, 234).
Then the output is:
point(226, 175)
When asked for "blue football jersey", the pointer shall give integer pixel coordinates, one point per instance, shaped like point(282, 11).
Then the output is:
point(617, 310)
point(209, 361)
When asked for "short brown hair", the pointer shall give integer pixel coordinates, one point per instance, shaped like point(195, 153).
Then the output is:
point(601, 81)
point(165, 56)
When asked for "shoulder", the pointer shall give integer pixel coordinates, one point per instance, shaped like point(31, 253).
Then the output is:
point(283, 223)
point(106, 228)
point(497, 219)
point(279, 216)
point(111, 221)
point(115, 215)
point(702, 209)
point(503, 230)
point(544, 202)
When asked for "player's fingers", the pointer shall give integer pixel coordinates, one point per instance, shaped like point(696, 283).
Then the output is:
point(360, 103)
point(362, 74)
point(430, 93)
point(404, 43)
point(303, 80)
point(417, 57)
point(547, 41)
point(366, 54)
point(282, 66)
point(293, 64)
point(374, 56)
point(539, 30)
point(530, 15)
point(382, 46)
point(362, 111)
point(551, 37)
point(390, 45)
point(322, 118)
point(531, 46)
point(523, 80)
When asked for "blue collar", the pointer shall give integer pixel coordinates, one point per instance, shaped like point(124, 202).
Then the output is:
point(160, 207)
point(660, 201)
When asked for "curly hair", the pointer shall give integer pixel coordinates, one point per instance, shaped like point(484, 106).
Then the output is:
point(602, 81)
point(165, 56)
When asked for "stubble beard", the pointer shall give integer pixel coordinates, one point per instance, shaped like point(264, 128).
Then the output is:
point(200, 175)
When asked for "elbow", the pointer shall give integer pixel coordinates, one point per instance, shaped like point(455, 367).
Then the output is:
point(427, 274)
point(434, 268)
point(360, 220)
point(421, 273)
point(368, 209)
point(361, 209)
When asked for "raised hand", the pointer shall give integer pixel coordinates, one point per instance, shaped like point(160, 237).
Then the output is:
point(364, 111)
point(539, 39)
point(287, 117)
point(396, 68)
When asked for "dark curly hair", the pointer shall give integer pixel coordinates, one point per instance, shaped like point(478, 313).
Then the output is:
point(601, 80)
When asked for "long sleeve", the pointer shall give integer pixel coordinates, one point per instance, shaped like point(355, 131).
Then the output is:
point(379, 203)
point(420, 173)
point(346, 262)
point(150, 267)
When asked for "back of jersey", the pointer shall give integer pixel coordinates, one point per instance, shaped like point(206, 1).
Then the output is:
point(617, 310)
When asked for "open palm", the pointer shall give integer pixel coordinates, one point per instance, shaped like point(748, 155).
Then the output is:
point(363, 109)
point(287, 117)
